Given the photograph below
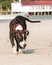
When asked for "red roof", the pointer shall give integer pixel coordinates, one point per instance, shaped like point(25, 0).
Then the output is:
point(37, 3)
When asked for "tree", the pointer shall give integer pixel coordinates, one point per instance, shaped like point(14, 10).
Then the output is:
point(6, 4)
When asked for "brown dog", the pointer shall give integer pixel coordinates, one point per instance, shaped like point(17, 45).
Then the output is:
point(18, 33)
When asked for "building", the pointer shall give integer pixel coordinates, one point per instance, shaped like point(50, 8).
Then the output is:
point(36, 7)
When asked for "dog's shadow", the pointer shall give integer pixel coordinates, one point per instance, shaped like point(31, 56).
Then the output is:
point(29, 51)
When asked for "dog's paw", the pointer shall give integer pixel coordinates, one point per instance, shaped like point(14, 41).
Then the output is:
point(17, 52)
point(14, 50)
point(20, 51)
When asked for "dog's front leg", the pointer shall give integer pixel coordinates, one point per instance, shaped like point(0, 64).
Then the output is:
point(19, 49)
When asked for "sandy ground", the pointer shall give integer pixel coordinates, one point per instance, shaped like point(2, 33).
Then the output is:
point(39, 45)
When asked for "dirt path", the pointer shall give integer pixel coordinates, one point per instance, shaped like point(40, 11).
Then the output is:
point(39, 45)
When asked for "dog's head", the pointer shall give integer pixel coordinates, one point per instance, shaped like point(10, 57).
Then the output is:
point(20, 37)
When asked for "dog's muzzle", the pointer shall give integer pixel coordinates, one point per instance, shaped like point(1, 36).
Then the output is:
point(23, 44)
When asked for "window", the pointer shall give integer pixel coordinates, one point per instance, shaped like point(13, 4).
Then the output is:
point(50, 6)
point(42, 6)
point(27, 0)
point(17, 0)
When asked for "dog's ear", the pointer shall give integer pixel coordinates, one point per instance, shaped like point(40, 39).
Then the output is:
point(27, 32)
point(14, 33)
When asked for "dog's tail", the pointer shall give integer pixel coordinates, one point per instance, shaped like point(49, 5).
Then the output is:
point(19, 18)
point(32, 21)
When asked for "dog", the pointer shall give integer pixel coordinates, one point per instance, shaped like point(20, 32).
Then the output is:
point(18, 33)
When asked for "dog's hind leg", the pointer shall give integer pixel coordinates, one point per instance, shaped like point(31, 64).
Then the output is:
point(13, 44)
point(11, 39)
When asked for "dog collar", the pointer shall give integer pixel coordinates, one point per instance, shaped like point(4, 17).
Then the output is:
point(18, 27)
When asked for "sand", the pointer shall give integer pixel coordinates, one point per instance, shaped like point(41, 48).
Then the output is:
point(39, 45)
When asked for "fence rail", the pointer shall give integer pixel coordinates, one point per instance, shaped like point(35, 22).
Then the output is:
point(32, 13)
point(7, 12)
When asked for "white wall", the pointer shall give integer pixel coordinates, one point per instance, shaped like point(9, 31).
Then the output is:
point(17, 7)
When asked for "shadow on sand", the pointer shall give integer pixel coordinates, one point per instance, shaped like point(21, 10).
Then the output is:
point(29, 51)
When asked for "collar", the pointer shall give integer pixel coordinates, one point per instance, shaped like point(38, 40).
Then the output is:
point(18, 27)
